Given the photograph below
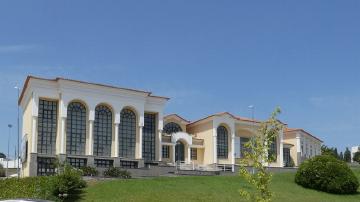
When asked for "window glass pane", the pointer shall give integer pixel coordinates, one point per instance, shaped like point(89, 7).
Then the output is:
point(171, 128)
point(102, 131)
point(222, 142)
point(127, 134)
point(76, 129)
point(47, 126)
point(45, 166)
point(193, 153)
point(149, 131)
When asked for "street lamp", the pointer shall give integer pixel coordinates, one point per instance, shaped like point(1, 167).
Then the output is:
point(18, 134)
point(8, 152)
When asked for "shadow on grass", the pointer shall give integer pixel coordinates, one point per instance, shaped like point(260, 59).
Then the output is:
point(77, 195)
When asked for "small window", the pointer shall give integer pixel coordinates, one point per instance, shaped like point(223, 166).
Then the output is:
point(193, 153)
point(103, 163)
point(165, 151)
point(77, 162)
point(171, 128)
point(129, 164)
point(45, 166)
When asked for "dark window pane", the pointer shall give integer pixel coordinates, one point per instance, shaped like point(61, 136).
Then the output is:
point(222, 142)
point(76, 129)
point(127, 134)
point(45, 166)
point(171, 128)
point(47, 126)
point(149, 134)
point(102, 131)
point(77, 162)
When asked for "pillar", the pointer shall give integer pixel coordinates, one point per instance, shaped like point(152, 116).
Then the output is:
point(281, 148)
point(34, 134)
point(188, 154)
point(116, 140)
point(214, 146)
point(159, 145)
point(173, 154)
point(140, 142)
point(63, 136)
point(298, 149)
point(232, 150)
point(91, 138)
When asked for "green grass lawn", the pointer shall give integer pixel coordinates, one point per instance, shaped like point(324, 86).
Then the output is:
point(202, 188)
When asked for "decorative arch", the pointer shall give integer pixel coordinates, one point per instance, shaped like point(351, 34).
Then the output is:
point(127, 133)
point(171, 128)
point(102, 130)
point(76, 128)
point(222, 142)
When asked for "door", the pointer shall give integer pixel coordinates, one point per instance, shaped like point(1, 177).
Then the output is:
point(179, 151)
point(286, 155)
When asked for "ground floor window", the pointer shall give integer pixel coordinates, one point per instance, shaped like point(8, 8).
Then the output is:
point(45, 166)
point(77, 162)
point(128, 164)
point(103, 163)
point(193, 153)
point(243, 149)
point(165, 151)
point(286, 156)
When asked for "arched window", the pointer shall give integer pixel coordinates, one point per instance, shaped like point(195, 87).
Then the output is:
point(127, 133)
point(102, 131)
point(222, 142)
point(76, 129)
point(171, 128)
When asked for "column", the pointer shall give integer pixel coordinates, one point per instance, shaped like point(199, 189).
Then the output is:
point(298, 149)
point(160, 145)
point(116, 135)
point(214, 146)
point(232, 150)
point(116, 139)
point(173, 154)
point(62, 136)
point(34, 134)
point(188, 154)
point(140, 142)
point(281, 146)
point(91, 138)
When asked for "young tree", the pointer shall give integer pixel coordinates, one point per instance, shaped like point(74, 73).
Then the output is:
point(356, 157)
point(336, 153)
point(347, 155)
point(341, 156)
point(256, 155)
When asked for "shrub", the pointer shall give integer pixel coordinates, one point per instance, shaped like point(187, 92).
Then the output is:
point(117, 172)
point(68, 182)
point(30, 187)
point(89, 171)
point(326, 173)
point(53, 188)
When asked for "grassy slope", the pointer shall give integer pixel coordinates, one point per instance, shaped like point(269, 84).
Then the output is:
point(219, 188)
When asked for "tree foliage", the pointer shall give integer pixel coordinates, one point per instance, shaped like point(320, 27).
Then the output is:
point(256, 155)
point(2, 155)
point(347, 155)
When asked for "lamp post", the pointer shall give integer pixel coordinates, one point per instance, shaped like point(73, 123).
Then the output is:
point(18, 135)
point(8, 152)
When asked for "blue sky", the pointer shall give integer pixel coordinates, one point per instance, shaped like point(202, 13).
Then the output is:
point(208, 56)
